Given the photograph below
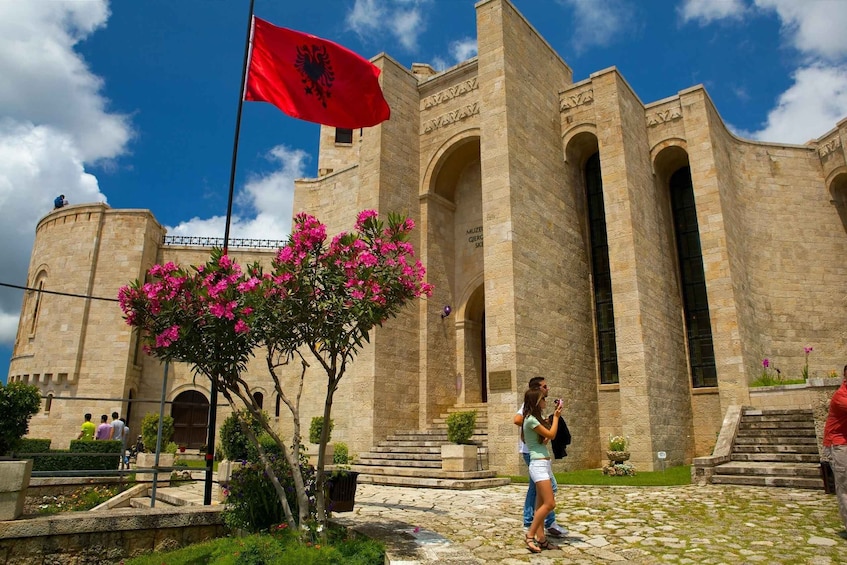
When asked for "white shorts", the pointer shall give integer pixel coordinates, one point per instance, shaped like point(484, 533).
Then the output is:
point(540, 470)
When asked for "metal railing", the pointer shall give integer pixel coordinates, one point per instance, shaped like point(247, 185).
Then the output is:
point(243, 243)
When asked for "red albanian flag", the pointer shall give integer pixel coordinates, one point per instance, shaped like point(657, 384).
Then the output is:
point(313, 79)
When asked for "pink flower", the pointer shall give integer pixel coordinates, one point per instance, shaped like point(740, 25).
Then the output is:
point(807, 350)
point(363, 217)
point(241, 327)
point(766, 363)
point(167, 337)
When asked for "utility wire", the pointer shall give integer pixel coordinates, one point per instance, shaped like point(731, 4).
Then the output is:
point(59, 293)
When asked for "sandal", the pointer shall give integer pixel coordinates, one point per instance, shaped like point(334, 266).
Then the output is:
point(547, 544)
point(532, 544)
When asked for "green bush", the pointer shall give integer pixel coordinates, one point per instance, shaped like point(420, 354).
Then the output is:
point(460, 426)
point(150, 430)
point(341, 455)
point(57, 460)
point(316, 428)
point(268, 444)
point(252, 503)
point(18, 403)
point(234, 443)
point(34, 445)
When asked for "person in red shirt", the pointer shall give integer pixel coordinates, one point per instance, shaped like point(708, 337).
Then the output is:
point(835, 445)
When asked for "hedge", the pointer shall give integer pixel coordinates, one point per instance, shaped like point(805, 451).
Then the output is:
point(56, 460)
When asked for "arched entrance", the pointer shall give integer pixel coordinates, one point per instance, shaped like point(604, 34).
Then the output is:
point(190, 411)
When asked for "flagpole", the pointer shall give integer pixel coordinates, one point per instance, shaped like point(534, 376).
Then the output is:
point(213, 393)
point(238, 126)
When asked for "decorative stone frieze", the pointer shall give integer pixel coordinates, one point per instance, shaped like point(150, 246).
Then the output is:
point(449, 93)
point(579, 98)
point(451, 117)
point(664, 116)
point(826, 148)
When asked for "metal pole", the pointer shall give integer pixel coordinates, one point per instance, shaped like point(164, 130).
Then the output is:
point(159, 437)
point(213, 400)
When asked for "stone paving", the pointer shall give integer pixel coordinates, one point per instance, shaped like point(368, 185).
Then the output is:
point(714, 524)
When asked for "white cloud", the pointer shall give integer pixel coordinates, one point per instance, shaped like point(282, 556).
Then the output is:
point(265, 203)
point(53, 121)
point(463, 49)
point(402, 19)
point(598, 22)
point(814, 27)
point(809, 108)
point(46, 82)
point(707, 11)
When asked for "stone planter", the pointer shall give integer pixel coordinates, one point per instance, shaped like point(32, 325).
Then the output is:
point(147, 460)
point(313, 454)
point(456, 457)
point(14, 480)
point(617, 456)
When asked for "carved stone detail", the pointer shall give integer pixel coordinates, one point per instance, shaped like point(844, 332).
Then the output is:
point(828, 147)
point(450, 93)
point(664, 116)
point(576, 99)
point(451, 117)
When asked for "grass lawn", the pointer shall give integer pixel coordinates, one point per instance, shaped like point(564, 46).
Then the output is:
point(343, 549)
point(669, 477)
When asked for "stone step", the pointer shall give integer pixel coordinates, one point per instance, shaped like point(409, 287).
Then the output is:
point(806, 448)
point(410, 456)
point(773, 468)
point(435, 450)
point(772, 432)
point(417, 463)
point(427, 482)
point(777, 457)
point(430, 435)
point(422, 473)
point(777, 412)
point(777, 425)
point(775, 440)
point(144, 502)
point(769, 481)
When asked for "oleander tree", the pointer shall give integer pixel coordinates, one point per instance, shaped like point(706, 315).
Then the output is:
point(319, 301)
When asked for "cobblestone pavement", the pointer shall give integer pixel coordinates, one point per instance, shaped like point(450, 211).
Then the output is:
point(683, 524)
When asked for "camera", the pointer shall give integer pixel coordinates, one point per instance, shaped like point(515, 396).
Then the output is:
point(558, 402)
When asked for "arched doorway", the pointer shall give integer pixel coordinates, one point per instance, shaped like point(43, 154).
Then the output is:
point(190, 411)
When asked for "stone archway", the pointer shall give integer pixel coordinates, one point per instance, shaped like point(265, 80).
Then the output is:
point(190, 411)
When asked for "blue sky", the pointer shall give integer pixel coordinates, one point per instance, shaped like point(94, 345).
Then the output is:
point(134, 103)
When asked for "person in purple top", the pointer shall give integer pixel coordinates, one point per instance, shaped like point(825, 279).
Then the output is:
point(104, 430)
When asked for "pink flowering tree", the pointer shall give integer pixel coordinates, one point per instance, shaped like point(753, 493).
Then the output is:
point(320, 300)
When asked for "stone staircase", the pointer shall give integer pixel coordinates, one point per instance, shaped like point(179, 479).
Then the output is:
point(773, 448)
point(413, 458)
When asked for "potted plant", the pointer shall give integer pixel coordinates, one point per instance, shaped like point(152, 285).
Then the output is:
point(315, 430)
point(461, 454)
point(18, 403)
point(340, 489)
point(618, 446)
point(149, 435)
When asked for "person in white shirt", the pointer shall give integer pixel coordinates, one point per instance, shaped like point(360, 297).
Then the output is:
point(553, 529)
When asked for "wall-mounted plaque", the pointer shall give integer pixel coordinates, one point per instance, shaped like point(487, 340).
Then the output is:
point(499, 381)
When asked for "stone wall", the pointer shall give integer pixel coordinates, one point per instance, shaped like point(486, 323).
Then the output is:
point(95, 538)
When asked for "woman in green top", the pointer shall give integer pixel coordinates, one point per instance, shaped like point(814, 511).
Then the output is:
point(536, 432)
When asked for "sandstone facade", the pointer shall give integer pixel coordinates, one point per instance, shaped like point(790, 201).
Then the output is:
point(493, 158)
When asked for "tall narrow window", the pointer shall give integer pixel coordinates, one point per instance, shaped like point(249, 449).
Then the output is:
point(276, 409)
point(701, 351)
point(259, 398)
point(37, 306)
point(48, 403)
point(603, 311)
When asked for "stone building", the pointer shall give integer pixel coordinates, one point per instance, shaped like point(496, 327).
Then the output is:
point(640, 256)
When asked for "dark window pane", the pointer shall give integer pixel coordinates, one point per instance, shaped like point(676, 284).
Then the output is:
point(695, 297)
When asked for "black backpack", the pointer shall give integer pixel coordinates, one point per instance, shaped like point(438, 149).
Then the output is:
point(59, 202)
